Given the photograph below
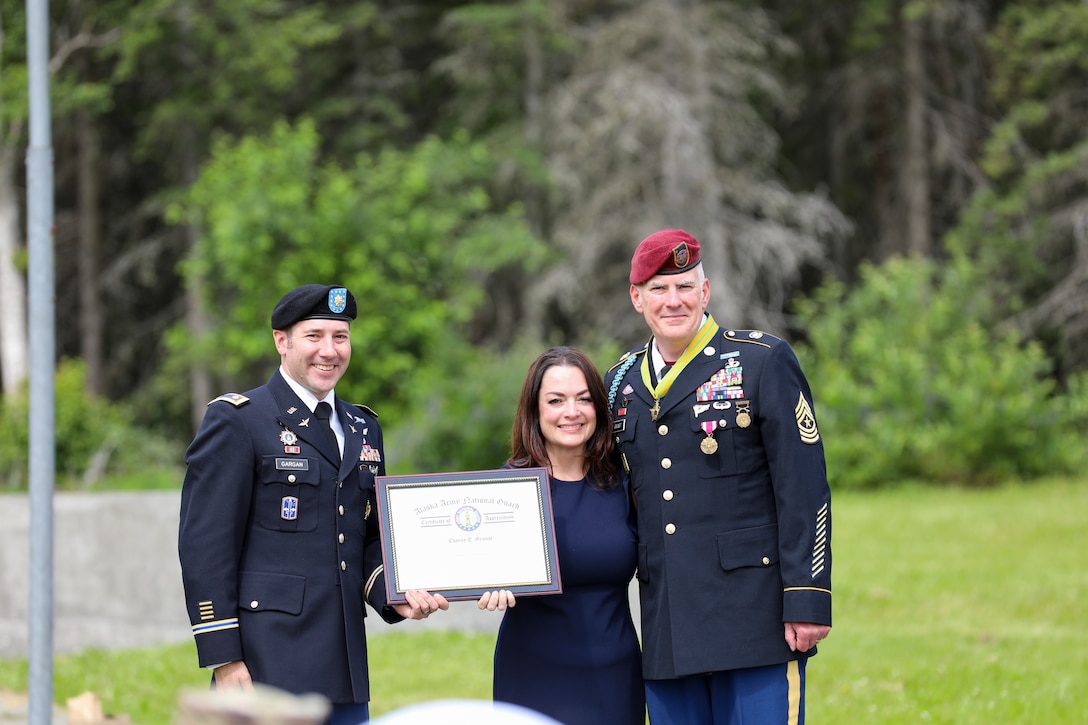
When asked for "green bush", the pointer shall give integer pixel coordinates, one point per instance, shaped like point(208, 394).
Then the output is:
point(911, 383)
point(93, 438)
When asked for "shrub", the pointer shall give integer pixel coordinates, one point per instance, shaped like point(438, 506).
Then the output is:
point(912, 383)
point(93, 436)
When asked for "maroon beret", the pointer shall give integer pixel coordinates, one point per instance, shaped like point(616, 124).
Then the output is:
point(669, 251)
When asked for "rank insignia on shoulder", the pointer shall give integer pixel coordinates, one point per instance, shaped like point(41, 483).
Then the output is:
point(751, 336)
point(235, 399)
point(626, 356)
point(366, 409)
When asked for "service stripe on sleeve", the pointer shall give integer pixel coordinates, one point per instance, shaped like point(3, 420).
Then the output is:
point(217, 626)
point(370, 581)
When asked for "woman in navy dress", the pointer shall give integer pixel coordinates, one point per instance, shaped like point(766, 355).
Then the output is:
point(573, 656)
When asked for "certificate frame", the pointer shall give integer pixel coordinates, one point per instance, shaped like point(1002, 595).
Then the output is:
point(465, 533)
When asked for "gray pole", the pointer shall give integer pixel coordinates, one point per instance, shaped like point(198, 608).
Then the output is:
point(39, 163)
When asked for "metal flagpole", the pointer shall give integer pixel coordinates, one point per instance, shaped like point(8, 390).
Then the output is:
point(40, 288)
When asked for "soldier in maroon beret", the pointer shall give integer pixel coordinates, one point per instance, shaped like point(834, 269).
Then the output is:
point(718, 435)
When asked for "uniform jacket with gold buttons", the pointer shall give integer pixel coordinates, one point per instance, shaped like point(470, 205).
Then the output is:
point(734, 535)
point(279, 541)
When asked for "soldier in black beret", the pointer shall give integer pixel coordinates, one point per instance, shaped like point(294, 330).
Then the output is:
point(717, 431)
point(278, 539)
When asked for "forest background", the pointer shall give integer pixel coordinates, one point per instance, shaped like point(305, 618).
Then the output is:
point(897, 187)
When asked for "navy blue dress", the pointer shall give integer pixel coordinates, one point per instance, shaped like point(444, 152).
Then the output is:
point(575, 656)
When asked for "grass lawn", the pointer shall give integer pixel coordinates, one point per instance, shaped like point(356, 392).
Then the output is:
point(951, 606)
point(958, 607)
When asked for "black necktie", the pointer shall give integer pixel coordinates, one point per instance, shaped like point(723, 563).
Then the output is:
point(322, 413)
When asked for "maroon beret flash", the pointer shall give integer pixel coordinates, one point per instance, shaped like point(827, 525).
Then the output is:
point(669, 251)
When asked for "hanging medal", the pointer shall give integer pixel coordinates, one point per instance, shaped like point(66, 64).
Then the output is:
point(709, 445)
point(744, 417)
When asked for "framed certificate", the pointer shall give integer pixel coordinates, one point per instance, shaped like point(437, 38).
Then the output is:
point(462, 534)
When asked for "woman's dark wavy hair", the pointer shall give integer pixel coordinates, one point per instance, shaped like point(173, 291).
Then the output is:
point(527, 447)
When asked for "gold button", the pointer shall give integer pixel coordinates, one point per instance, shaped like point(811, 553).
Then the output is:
point(291, 478)
point(341, 509)
point(253, 604)
point(663, 430)
point(666, 463)
point(343, 566)
point(766, 560)
point(670, 528)
point(341, 538)
point(667, 495)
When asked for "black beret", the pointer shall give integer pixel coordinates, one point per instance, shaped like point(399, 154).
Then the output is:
point(313, 302)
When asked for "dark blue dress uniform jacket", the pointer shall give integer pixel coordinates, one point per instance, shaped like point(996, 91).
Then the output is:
point(735, 542)
point(279, 542)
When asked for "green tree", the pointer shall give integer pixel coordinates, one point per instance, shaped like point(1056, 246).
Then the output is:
point(890, 111)
point(218, 66)
point(414, 234)
point(645, 115)
point(1028, 227)
point(14, 342)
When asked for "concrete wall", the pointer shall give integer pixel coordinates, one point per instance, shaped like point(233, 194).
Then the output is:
point(116, 579)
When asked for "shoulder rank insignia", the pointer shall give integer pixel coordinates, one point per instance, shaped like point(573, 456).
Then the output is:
point(755, 337)
point(235, 399)
point(806, 421)
point(628, 354)
point(366, 409)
